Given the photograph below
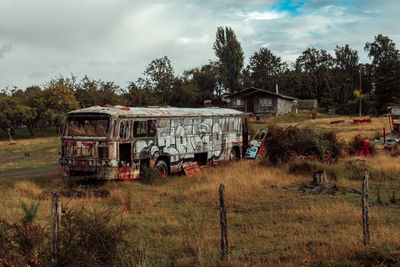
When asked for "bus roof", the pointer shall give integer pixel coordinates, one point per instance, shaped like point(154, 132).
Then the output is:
point(121, 111)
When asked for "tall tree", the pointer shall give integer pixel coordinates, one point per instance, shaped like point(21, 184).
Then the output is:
point(265, 69)
point(347, 77)
point(317, 64)
point(159, 76)
point(230, 58)
point(386, 70)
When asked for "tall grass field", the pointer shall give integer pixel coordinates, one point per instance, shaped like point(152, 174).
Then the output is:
point(175, 220)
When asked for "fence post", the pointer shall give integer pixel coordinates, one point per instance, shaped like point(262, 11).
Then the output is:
point(222, 212)
point(55, 226)
point(365, 220)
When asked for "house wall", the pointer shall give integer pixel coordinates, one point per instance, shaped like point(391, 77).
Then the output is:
point(284, 106)
point(263, 109)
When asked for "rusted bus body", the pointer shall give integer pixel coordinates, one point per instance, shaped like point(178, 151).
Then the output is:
point(114, 142)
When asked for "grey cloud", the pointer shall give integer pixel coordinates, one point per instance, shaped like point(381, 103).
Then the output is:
point(5, 49)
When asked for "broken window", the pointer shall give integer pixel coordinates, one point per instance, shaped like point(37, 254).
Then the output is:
point(140, 129)
point(87, 126)
point(124, 130)
point(152, 128)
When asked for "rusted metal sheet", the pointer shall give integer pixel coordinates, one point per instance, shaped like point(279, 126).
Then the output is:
point(158, 112)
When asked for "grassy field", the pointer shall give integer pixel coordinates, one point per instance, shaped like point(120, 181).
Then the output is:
point(176, 221)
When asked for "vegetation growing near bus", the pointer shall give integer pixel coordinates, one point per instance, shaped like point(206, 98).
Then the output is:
point(284, 144)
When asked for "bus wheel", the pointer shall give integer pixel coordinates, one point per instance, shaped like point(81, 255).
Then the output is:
point(162, 168)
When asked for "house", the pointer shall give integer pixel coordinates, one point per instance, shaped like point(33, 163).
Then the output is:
point(262, 102)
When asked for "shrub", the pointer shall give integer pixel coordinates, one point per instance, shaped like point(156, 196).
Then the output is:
point(23, 243)
point(150, 175)
point(356, 144)
point(90, 238)
point(282, 144)
point(377, 255)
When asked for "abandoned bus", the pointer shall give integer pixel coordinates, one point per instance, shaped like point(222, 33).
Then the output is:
point(114, 142)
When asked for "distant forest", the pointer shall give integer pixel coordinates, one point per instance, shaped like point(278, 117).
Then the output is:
point(334, 80)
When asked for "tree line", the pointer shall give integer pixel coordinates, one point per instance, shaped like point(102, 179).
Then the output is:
point(334, 80)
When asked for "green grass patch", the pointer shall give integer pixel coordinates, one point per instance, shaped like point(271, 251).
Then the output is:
point(23, 133)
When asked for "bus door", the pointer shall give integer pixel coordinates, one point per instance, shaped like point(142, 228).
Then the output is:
point(125, 166)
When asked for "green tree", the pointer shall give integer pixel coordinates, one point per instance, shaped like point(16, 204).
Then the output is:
point(91, 92)
point(230, 58)
point(265, 69)
point(347, 77)
point(385, 70)
point(57, 100)
point(159, 77)
point(317, 64)
point(133, 96)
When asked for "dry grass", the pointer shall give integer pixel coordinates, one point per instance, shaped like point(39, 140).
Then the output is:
point(177, 222)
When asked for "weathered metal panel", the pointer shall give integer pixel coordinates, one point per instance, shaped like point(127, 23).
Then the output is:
point(180, 135)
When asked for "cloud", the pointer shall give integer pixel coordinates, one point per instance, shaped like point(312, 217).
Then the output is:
point(115, 39)
point(5, 49)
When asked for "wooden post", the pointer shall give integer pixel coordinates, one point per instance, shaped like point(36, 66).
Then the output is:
point(55, 226)
point(224, 234)
point(365, 220)
point(384, 136)
point(319, 177)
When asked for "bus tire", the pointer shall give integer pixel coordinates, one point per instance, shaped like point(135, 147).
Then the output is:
point(162, 168)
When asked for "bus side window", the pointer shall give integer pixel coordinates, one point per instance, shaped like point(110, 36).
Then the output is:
point(140, 129)
point(152, 128)
point(124, 130)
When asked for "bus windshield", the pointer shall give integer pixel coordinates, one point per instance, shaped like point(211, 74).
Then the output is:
point(87, 126)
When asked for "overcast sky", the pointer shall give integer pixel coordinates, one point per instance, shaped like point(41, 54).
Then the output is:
point(114, 40)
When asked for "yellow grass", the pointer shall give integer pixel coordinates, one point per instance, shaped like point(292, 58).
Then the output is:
point(177, 222)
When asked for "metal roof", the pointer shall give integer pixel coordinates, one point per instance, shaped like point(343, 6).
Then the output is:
point(253, 90)
point(158, 112)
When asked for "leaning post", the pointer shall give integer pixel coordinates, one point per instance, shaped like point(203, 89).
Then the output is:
point(224, 234)
point(55, 226)
point(365, 219)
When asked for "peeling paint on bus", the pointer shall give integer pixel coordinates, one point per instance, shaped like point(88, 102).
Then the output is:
point(128, 138)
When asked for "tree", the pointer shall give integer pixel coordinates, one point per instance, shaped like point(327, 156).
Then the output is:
point(96, 92)
point(159, 77)
point(57, 100)
point(317, 64)
point(203, 82)
point(347, 77)
point(230, 58)
point(385, 70)
point(265, 69)
point(136, 97)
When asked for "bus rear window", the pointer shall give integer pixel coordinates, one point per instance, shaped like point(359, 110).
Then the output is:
point(87, 126)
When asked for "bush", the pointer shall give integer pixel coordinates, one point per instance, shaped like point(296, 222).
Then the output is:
point(150, 175)
point(377, 255)
point(356, 144)
point(23, 243)
point(90, 238)
point(283, 144)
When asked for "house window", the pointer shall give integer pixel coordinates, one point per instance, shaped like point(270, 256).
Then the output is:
point(238, 102)
point(265, 102)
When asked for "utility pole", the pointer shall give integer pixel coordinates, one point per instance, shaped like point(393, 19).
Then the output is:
point(360, 89)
